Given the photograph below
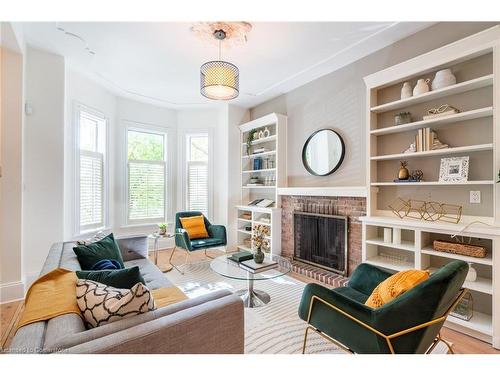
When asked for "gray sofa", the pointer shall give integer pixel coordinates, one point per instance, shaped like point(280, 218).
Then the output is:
point(213, 323)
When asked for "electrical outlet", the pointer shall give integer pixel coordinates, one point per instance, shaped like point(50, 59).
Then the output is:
point(475, 197)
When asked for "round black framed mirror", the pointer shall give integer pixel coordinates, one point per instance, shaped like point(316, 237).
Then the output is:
point(323, 152)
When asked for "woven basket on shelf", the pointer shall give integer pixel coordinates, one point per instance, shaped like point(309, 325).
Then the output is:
point(459, 248)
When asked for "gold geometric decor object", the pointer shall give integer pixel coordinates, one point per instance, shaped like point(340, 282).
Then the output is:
point(400, 207)
point(433, 211)
point(452, 213)
point(417, 209)
point(426, 210)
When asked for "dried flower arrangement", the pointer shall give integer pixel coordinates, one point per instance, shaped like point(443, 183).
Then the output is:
point(259, 237)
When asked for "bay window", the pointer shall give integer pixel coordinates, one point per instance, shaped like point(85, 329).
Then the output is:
point(197, 173)
point(91, 168)
point(146, 151)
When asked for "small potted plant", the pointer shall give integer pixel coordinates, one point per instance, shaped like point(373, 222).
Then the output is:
point(251, 137)
point(260, 241)
point(402, 118)
point(162, 229)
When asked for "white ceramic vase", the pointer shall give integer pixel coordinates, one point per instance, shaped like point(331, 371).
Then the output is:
point(406, 91)
point(443, 78)
point(421, 87)
point(472, 274)
point(267, 133)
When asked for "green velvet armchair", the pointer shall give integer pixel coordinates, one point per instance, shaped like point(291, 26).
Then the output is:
point(217, 236)
point(408, 324)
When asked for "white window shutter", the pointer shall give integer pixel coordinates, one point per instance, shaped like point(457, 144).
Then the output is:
point(91, 189)
point(197, 186)
point(146, 199)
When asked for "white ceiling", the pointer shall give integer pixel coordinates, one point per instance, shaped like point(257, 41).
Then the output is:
point(159, 62)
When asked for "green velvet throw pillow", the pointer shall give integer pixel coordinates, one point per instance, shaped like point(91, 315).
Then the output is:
point(89, 255)
point(123, 279)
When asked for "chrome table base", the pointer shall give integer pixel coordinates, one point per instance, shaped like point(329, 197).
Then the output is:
point(252, 297)
point(255, 298)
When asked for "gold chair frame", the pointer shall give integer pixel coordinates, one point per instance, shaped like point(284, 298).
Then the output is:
point(387, 338)
point(177, 267)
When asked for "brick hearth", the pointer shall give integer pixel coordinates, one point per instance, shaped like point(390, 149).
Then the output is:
point(352, 207)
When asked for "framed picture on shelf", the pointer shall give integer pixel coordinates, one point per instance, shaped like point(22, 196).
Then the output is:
point(454, 169)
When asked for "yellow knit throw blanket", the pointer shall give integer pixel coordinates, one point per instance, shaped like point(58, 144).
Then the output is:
point(54, 294)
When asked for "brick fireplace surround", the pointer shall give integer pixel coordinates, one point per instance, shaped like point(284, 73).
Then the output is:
point(352, 207)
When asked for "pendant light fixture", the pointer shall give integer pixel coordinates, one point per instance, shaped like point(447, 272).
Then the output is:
point(220, 80)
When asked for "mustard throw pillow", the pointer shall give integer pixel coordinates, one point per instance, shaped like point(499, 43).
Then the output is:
point(394, 286)
point(195, 226)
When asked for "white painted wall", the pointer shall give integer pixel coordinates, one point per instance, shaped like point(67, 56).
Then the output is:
point(11, 128)
point(43, 159)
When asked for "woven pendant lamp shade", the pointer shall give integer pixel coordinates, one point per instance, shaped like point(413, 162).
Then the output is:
point(220, 80)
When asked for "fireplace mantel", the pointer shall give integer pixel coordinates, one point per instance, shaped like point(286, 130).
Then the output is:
point(326, 191)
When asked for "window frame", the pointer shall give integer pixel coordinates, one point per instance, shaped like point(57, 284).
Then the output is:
point(78, 229)
point(186, 134)
point(144, 128)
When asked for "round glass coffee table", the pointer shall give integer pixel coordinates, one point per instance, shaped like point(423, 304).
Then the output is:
point(251, 297)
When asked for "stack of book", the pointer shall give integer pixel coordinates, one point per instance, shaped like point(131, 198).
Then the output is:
point(253, 267)
point(240, 256)
point(424, 140)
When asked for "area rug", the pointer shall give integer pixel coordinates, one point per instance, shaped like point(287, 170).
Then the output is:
point(272, 329)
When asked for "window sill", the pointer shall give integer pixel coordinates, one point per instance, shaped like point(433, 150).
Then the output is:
point(141, 225)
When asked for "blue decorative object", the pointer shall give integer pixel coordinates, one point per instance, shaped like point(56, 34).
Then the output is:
point(106, 264)
point(257, 164)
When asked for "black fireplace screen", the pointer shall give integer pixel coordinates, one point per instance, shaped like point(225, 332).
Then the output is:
point(321, 240)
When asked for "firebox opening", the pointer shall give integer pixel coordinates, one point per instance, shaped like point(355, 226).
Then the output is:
point(321, 240)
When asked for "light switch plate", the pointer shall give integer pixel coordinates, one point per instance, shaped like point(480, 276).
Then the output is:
point(475, 197)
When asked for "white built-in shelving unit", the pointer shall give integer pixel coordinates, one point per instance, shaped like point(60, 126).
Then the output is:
point(473, 132)
point(275, 171)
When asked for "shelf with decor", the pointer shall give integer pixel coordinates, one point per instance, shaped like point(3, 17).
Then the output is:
point(262, 173)
point(269, 138)
point(404, 245)
point(259, 187)
point(435, 122)
point(430, 251)
point(458, 88)
point(454, 119)
point(260, 154)
point(433, 183)
point(383, 262)
point(259, 170)
point(443, 151)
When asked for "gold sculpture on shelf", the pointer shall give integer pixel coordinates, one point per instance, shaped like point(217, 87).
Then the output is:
point(400, 207)
point(416, 208)
point(426, 210)
point(451, 213)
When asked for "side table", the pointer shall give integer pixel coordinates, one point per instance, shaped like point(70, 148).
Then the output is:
point(156, 247)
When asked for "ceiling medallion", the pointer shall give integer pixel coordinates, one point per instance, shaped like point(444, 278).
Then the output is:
point(236, 32)
point(220, 80)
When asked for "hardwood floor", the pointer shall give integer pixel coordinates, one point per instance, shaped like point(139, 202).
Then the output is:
point(462, 344)
point(9, 314)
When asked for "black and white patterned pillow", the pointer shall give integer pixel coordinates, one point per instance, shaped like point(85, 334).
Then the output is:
point(102, 304)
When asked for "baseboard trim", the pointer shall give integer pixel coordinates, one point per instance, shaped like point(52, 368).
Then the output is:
point(10, 292)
